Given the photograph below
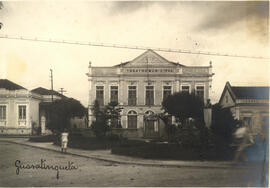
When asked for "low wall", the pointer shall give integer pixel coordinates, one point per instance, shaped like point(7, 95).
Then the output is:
point(127, 133)
point(83, 132)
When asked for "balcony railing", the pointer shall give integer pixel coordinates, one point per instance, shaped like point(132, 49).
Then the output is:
point(22, 122)
point(3, 122)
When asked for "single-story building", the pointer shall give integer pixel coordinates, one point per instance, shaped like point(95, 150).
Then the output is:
point(19, 108)
point(23, 112)
point(248, 104)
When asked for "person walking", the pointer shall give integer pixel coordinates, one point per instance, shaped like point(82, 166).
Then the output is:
point(64, 141)
point(245, 139)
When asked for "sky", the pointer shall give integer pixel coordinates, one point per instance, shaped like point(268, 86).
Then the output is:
point(224, 27)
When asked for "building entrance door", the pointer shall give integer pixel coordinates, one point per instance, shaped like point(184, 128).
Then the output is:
point(151, 129)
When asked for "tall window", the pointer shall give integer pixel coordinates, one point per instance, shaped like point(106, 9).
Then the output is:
point(114, 93)
point(100, 95)
point(3, 112)
point(132, 119)
point(200, 92)
point(22, 112)
point(185, 89)
point(132, 96)
point(167, 90)
point(149, 96)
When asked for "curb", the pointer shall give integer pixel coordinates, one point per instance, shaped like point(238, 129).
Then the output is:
point(132, 163)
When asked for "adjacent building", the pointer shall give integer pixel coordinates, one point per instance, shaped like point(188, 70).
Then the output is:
point(24, 112)
point(248, 104)
point(19, 108)
point(140, 85)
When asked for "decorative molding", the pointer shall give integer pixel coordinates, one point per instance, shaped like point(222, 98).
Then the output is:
point(132, 82)
point(168, 82)
point(99, 82)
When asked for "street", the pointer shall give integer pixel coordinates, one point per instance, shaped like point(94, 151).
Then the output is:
point(91, 172)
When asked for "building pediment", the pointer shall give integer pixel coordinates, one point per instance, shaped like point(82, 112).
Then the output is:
point(227, 100)
point(149, 59)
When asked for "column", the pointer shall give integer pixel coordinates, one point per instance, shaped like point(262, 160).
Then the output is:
point(177, 88)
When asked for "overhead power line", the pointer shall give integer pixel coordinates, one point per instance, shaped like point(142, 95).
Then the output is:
point(108, 45)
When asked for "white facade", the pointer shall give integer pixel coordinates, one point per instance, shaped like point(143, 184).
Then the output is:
point(19, 109)
point(142, 84)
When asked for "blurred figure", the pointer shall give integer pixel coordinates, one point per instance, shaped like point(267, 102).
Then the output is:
point(244, 139)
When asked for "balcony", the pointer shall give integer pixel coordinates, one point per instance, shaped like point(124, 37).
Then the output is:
point(22, 122)
point(3, 122)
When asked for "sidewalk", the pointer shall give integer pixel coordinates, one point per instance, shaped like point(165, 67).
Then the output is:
point(105, 155)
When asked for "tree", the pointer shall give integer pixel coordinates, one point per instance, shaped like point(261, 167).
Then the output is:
point(61, 111)
point(223, 124)
point(106, 118)
point(112, 111)
point(100, 124)
point(184, 106)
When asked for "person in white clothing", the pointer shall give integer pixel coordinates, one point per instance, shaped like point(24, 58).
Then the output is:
point(64, 141)
point(245, 139)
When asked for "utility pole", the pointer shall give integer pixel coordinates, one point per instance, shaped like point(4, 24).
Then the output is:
point(62, 90)
point(52, 83)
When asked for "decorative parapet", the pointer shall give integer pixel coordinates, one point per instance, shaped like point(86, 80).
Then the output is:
point(14, 93)
point(18, 93)
point(196, 70)
point(252, 101)
point(103, 71)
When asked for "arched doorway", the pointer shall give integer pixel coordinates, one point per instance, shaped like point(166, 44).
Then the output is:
point(132, 119)
point(151, 128)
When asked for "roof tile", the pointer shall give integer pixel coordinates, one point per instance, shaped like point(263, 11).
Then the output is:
point(251, 92)
point(7, 84)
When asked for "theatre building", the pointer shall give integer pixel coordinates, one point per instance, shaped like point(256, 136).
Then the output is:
point(140, 85)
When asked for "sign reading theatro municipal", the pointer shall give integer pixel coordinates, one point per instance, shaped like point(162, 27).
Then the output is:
point(140, 85)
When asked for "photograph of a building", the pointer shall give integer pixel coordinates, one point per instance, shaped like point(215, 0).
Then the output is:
point(140, 85)
point(134, 93)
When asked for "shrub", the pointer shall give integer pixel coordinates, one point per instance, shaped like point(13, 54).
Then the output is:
point(61, 111)
point(47, 138)
point(184, 106)
point(114, 137)
point(223, 124)
point(100, 128)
